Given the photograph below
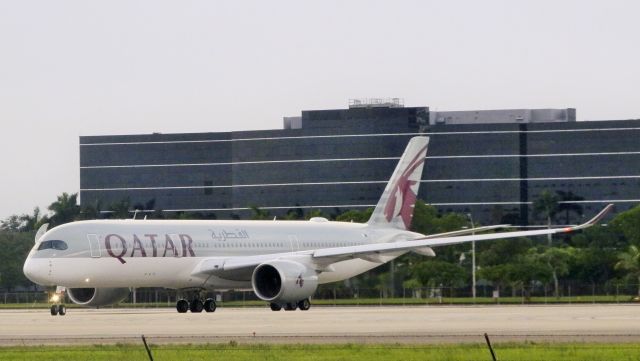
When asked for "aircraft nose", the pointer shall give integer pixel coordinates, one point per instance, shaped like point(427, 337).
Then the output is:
point(33, 271)
point(28, 268)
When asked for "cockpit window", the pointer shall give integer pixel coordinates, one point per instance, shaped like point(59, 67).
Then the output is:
point(53, 244)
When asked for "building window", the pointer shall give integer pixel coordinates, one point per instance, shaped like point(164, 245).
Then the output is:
point(208, 188)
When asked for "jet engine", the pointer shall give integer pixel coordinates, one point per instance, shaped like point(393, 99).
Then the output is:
point(97, 297)
point(281, 282)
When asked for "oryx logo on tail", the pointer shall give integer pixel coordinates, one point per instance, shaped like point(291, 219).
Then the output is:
point(399, 197)
point(403, 198)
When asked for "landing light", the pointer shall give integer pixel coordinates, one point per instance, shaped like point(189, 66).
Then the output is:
point(86, 280)
point(55, 298)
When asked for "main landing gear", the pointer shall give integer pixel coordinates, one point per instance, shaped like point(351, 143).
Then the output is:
point(303, 305)
point(196, 305)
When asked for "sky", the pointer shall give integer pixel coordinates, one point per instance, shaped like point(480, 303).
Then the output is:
point(72, 68)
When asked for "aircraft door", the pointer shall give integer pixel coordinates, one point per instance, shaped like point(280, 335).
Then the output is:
point(94, 245)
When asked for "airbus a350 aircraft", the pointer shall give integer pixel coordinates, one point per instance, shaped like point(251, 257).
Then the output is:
point(96, 262)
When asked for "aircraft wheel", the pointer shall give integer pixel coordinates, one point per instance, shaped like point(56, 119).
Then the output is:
point(54, 310)
point(304, 305)
point(210, 305)
point(182, 306)
point(290, 306)
point(275, 307)
point(62, 310)
point(196, 306)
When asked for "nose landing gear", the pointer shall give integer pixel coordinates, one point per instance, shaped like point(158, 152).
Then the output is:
point(58, 308)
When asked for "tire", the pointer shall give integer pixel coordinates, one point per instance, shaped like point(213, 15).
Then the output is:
point(304, 305)
point(210, 305)
point(196, 306)
point(62, 310)
point(290, 306)
point(275, 307)
point(54, 310)
point(182, 306)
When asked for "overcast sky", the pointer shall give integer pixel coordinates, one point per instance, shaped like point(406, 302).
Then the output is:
point(71, 68)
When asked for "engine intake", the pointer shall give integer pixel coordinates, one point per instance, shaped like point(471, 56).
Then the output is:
point(97, 297)
point(283, 281)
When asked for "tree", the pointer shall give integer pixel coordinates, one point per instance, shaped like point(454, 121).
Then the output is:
point(499, 275)
point(500, 260)
point(24, 222)
point(629, 224)
point(314, 213)
point(435, 272)
point(258, 213)
point(120, 210)
point(426, 220)
point(15, 248)
point(630, 261)
point(596, 253)
point(547, 206)
point(558, 260)
point(292, 216)
point(90, 211)
point(528, 268)
point(355, 216)
point(65, 209)
point(567, 204)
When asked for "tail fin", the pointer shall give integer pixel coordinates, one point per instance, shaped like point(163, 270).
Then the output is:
point(395, 207)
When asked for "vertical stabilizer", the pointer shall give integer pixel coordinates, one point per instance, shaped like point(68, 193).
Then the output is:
point(395, 207)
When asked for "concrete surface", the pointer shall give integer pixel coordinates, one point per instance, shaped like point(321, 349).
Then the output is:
point(421, 324)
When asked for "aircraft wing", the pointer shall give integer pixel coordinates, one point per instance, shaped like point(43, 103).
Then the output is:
point(379, 248)
point(321, 259)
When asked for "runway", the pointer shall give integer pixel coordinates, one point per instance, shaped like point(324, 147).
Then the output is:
point(417, 324)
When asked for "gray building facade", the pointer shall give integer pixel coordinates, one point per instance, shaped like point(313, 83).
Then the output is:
point(335, 160)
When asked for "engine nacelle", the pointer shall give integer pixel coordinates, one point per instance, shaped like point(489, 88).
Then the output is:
point(97, 297)
point(283, 281)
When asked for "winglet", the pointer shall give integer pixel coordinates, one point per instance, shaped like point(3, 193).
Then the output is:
point(598, 217)
point(41, 231)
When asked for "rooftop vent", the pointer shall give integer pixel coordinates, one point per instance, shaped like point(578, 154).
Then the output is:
point(376, 103)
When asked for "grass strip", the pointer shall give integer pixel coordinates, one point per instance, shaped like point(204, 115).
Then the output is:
point(352, 352)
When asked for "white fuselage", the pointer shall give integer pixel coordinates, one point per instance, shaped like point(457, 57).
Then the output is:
point(167, 253)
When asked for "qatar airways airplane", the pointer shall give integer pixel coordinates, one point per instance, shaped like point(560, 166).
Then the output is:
point(283, 262)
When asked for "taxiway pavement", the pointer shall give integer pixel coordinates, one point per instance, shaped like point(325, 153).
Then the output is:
point(410, 324)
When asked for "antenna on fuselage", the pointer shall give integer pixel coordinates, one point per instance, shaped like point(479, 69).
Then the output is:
point(135, 213)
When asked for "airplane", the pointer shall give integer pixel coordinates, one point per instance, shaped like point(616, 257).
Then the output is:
point(97, 262)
